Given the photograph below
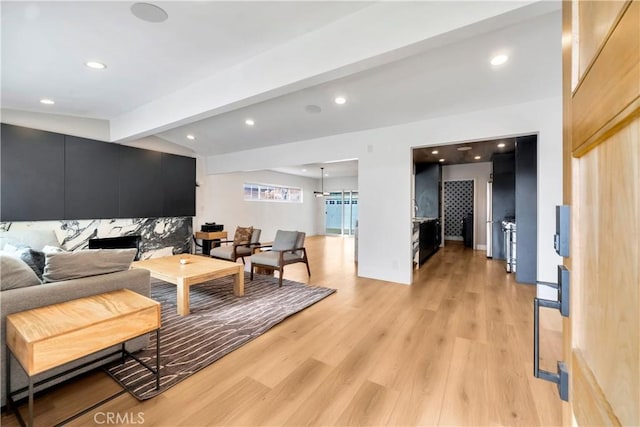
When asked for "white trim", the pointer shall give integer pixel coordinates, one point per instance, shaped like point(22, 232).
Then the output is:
point(481, 247)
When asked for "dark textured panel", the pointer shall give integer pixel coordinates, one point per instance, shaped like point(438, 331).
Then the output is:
point(458, 204)
point(179, 184)
point(140, 183)
point(32, 174)
point(527, 209)
point(504, 198)
point(91, 179)
point(427, 188)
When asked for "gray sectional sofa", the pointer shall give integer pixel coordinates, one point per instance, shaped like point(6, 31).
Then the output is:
point(51, 292)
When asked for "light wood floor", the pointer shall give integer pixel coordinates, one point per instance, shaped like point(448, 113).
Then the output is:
point(455, 348)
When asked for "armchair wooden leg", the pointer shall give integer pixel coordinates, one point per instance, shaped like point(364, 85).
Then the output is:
point(252, 267)
point(280, 278)
point(306, 261)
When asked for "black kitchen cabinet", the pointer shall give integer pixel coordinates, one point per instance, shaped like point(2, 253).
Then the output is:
point(429, 240)
point(504, 198)
point(427, 189)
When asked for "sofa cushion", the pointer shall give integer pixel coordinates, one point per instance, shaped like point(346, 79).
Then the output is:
point(15, 273)
point(84, 263)
point(36, 239)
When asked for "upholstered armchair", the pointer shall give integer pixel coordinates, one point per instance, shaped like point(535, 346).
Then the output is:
point(242, 245)
point(287, 248)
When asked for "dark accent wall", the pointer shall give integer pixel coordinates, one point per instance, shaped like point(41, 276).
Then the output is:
point(427, 189)
point(177, 201)
point(32, 174)
point(504, 200)
point(91, 187)
point(140, 183)
point(526, 209)
point(50, 176)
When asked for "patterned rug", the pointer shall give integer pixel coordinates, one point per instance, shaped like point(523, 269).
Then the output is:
point(219, 323)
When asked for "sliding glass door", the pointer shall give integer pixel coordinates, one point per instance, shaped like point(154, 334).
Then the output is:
point(341, 212)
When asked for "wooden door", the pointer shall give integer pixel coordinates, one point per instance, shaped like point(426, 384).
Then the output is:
point(601, 83)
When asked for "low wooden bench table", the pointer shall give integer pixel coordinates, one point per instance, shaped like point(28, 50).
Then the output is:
point(198, 269)
point(47, 337)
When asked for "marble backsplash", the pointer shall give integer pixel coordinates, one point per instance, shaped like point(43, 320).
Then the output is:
point(160, 236)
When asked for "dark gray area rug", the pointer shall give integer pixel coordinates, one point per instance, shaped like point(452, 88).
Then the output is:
point(219, 323)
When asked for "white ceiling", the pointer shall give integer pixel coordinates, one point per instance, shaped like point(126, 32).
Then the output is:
point(266, 57)
point(45, 45)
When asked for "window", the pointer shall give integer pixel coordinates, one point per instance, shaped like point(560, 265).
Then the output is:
point(272, 193)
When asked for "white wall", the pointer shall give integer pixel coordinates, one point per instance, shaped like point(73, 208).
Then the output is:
point(68, 125)
point(340, 183)
point(225, 204)
point(480, 172)
point(385, 172)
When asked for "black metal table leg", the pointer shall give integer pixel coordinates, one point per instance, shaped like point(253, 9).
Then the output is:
point(30, 422)
point(158, 359)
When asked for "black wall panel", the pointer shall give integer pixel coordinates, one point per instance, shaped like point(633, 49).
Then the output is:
point(504, 198)
point(91, 179)
point(140, 183)
point(526, 209)
point(32, 174)
point(427, 189)
point(179, 184)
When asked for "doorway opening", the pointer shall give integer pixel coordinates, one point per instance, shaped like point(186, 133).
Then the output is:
point(458, 212)
point(341, 212)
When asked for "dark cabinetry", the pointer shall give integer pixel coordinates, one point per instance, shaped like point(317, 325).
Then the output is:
point(427, 189)
point(429, 240)
point(526, 209)
point(50, 176)
point(504, 198)
point(177, 201)
point(91, 187)
point(140, 183)
point(32, 174)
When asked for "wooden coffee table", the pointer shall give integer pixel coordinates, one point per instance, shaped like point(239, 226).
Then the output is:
point(198, 269)
point(47, 337)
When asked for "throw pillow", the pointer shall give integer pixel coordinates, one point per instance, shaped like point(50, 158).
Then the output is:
point(89, 262)
point(34, 259)
point(243, 235)
point(14, 273)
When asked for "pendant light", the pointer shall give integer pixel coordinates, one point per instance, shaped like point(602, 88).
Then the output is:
point(321, 193)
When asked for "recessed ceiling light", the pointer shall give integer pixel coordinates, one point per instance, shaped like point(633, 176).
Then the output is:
point(191, 137)
point(304, 170)
point(95, 65)
point(149, 12)
point(340, 100)
point(441, 160)
point(464, 148)
point(499, 59)
point(47, 101)
point(434, 152)
point(326, 174)
point(501, 145)
point(249, 122)
point(477, 157)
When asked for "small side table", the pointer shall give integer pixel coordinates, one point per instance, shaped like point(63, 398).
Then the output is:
point(47, 337)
